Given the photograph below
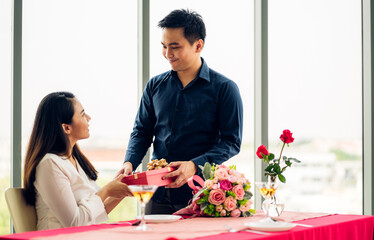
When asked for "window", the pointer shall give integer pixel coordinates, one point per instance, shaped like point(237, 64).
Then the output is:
point(228, 49)
point(5, 97)
point(315, 91)
point(91, 53)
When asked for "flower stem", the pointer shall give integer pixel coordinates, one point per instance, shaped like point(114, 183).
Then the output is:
point(280, 155)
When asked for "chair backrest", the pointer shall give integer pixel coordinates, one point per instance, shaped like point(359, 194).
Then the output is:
point(23, 215)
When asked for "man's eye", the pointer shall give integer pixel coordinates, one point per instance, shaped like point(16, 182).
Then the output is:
point(174, 48)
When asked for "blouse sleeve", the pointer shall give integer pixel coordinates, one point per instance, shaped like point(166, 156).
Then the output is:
point(56, 191)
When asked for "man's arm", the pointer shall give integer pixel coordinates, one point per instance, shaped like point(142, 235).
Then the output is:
point(142, 135)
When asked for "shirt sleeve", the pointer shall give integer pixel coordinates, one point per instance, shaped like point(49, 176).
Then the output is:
point(230, 126)
point(142, 135)
point(57, 193)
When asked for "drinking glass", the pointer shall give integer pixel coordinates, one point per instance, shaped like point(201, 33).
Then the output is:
point(267, 190)
point(143, 194)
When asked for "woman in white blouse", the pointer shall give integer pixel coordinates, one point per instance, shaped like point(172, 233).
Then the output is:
point(58, 179)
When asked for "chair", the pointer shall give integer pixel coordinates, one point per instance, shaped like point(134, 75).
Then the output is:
point(23, 215)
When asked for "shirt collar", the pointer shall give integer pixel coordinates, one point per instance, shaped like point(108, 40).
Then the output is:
point(203, 73)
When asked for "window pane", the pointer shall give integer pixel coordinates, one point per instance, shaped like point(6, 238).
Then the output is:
point(5, 97)
point(228, 49)
point(91, 53)
point(315, 91)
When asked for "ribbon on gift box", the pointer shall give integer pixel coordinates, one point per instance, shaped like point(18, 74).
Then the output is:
point(197, 179)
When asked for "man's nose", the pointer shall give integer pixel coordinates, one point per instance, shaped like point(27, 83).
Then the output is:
point(168, 53)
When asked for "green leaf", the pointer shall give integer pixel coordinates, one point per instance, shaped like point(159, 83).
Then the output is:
point(247, 195)
point(271, 156)
point(277, 168)
point(288, 163)
point(246, 214)
point(207, 171)
point(269, 168)
point(230, 193)
point(198, 193)
point(295, 160)
point(204, 205)
point(242, 202)
point(284, 158)
point(282, 178)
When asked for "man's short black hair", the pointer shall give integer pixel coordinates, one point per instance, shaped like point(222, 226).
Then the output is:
point(192, 22)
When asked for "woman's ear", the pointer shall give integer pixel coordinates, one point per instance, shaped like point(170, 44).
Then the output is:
point(199, 45)
point(66, 128)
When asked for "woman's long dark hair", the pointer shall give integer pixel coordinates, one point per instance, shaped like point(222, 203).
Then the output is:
point(47, 136)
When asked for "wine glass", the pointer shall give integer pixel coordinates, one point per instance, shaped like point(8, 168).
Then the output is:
point(143, 194)
point(267, 190)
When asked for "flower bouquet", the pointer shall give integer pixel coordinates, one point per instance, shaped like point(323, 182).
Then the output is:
point(225, 193)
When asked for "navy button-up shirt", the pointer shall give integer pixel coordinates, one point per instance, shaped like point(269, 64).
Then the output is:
point(201, 122)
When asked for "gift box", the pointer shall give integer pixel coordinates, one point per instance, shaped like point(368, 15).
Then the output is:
point(151, 177)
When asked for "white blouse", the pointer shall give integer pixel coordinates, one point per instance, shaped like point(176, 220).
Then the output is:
point(65, 197)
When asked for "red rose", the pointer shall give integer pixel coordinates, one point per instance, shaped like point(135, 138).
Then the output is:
point(262, 149)
point(286, 137)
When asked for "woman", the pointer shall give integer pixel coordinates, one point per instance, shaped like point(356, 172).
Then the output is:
point(58, 179)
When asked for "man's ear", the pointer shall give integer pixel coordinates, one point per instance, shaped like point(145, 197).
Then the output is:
point(66, 128)
point(199, 45)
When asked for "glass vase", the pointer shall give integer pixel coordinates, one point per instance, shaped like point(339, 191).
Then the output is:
point(274, 205)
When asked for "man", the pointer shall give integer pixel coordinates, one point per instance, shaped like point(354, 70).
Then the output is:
point(194, 114)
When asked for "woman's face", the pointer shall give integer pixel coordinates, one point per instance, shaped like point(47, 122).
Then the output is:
point(79, 125)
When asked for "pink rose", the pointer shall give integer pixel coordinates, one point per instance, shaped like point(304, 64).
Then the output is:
point(261, 150)
point(235, 213)
point(230, 203)
point(246, 206)
point(223, 213)
point(233, 172)
point(208, 184)
point(219, 208)
point(286, 137)
point(217, 196)
point(239, 191)
point(223, 167)
point(232, 178)
point(221, 174)
point(215, 179)
point(225, 185)
point(215, 186)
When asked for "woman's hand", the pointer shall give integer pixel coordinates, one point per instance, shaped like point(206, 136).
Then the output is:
point(118, 189)
point(115, 189)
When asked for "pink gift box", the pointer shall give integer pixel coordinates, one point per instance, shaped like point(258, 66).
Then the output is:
point(151, 177)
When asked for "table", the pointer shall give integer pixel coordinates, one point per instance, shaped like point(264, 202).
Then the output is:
point(325, 226)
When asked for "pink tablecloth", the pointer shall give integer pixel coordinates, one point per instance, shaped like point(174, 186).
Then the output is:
point(343, 227)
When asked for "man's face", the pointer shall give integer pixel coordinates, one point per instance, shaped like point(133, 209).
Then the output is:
point(178, 51)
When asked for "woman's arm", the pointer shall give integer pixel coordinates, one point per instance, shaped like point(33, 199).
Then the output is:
point(113, 193)
point(55, 188)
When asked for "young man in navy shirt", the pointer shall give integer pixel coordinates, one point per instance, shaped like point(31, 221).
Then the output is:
point(192, 114)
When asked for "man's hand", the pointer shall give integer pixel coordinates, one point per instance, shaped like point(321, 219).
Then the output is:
point(126, 169)
point(184, 171)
